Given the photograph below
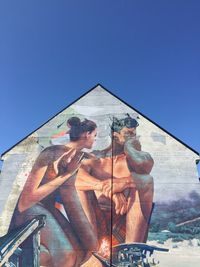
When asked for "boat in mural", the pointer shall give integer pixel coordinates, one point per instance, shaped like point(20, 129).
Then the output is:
point(131, 255)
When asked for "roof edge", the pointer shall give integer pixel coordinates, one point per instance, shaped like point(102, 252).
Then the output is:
point(51, 118)
point(98, 84)
point(196, 152)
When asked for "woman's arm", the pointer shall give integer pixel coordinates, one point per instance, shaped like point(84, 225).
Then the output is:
point(33, 192)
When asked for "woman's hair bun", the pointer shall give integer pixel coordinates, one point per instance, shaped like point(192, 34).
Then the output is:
point(74, 121)
point(79, 127)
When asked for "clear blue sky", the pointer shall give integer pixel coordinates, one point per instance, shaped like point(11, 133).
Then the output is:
point(146, 52)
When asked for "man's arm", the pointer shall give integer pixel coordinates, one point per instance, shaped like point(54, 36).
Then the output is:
point(118, 185)
point(84, 180)
point(139, 161)
point(111, 188)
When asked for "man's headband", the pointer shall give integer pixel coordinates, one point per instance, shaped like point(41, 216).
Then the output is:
point(119, 124)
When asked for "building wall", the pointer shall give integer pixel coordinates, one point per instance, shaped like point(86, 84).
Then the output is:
point(175, 219)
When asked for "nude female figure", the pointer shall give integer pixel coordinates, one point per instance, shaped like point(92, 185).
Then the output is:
point(55, 168)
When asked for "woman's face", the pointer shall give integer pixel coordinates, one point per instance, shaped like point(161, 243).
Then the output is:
point(90, 138)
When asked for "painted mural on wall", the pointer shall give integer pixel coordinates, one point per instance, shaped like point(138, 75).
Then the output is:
point(115, 188)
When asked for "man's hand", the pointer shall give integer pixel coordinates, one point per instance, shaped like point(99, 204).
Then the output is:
point(120, 202)
point(116, 185)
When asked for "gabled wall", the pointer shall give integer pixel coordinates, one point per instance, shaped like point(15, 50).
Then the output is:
point(176, 185)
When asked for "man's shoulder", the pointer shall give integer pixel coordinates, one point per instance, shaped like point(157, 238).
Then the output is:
point(91, 159)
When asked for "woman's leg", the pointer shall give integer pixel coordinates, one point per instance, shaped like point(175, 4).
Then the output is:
point(81, 222)
point(52, 237)
point(45, 257)
point(71, 235)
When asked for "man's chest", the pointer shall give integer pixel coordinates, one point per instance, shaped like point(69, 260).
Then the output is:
point(115, 166)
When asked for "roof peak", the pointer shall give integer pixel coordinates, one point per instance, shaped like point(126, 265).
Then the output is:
point(102, 88)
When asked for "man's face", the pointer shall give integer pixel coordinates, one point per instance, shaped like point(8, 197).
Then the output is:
point(125, 134)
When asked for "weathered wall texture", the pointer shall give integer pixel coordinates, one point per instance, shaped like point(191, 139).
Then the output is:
point(175, 220)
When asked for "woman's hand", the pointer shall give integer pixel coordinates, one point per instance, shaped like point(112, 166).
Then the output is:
point(66, 157)
point(73, 161)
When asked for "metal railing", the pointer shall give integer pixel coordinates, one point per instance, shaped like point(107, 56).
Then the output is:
point(21, 246)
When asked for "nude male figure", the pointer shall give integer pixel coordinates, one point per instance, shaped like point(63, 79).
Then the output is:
point(120, 177)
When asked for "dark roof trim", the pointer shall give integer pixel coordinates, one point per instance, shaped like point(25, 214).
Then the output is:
point(151, 121)
point(52, 118)
point(118, 99)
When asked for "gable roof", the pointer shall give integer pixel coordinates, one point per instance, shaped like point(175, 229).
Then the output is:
point(103, 88)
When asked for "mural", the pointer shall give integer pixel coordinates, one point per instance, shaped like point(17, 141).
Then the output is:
point(116, 190)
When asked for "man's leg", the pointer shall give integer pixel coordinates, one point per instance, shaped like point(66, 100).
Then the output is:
point(137, 219)
point(146, 202)
point(134, 219)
